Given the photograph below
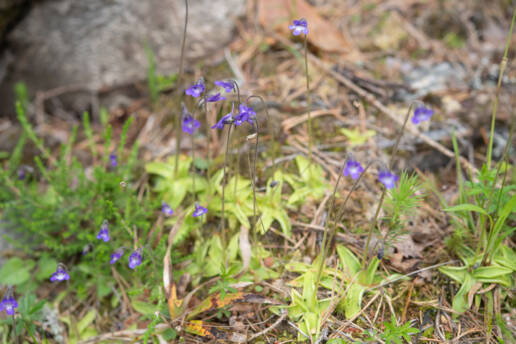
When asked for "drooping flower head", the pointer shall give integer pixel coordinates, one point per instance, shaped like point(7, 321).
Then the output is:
point(227, 119)
point(215, 98)
point(115, 256)
point(135, 259)
point(422, 114)
point(387, 178)
point(196, 89)
point(21, 173)
point(60, 275)
point(353, 168)
point(8, 303)
point(245, 114)
point(190, 124)
point(298, 27)
point(103, 233)
point(112, 160)
point(199, 210)
point(227, 85)
point(165, 209)
point(381, 252)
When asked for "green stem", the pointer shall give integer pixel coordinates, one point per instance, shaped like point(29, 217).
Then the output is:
point(380, 203)
point(179, 79)
point(503, 64)
point(309, 102)
point(222, 229)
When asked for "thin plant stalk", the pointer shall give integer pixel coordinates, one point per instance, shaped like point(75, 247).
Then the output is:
point(179, 80)
point(309, 101)
point(336, 219)
point(384, 192)
point(14, 331)
point(503, 64)
point(222, 229)
point(193, 160)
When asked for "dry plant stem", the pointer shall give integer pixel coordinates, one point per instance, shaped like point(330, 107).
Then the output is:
point(503, 64)
point(309, 101)
point(179, 79)
point(272, 327)
point(384, 192)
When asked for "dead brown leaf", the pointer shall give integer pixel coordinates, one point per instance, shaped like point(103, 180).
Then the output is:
point(277, 14)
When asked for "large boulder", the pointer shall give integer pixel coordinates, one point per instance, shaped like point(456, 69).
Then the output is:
point(100, 43)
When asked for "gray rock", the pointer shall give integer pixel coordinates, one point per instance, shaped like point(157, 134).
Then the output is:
point(100, 43)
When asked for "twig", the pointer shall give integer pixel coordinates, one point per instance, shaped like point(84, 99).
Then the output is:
point(272, 327)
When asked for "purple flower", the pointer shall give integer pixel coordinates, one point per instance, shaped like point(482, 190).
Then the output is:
point(8, 304)
point(381, 252)
point(227, 119)
point(199, 210)
point(165, 209)
point(21, 174)
point(353, 169)
point(116, 255)
point(298, 27)
point(215, 98)
point(387, 178)
point(196, 89)
point(246, 113)
point(135, 259)
point(112, 159)
point(422, 114)
point(190, 124)
point(103, 233)
point(228, 85)
point(60, 275)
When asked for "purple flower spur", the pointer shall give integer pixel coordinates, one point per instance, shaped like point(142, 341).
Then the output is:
point(353, 169)
point(115, 256)
point(135, 259)
point(422, 114)
point(60, 275)
point(199, 210)
point(196, 89)
point(103, 233)
point(165, 209)
point(227, 85)
point(388, 179)
point(8, 303)
point(245, 114)
point(298, 27)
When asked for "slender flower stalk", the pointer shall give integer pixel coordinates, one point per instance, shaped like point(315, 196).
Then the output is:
point(384, 192)
point(503, 64)
point(337, 218)
point(301, 27)
point(179, 81)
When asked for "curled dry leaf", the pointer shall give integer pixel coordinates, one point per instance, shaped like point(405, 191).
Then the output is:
point(277, 14)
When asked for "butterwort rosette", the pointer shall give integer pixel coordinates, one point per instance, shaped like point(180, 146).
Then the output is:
point(166, 209)
point(196, 89)
point(298, 27)
point(9, 303)
point(199, 210)
point(135, 259)
point(103, 233)
point(353, 168)
point(422, 114)
point(60, 275)
point(388, 179)
point(228, 86)
point(190, 124)
point(115, 256)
